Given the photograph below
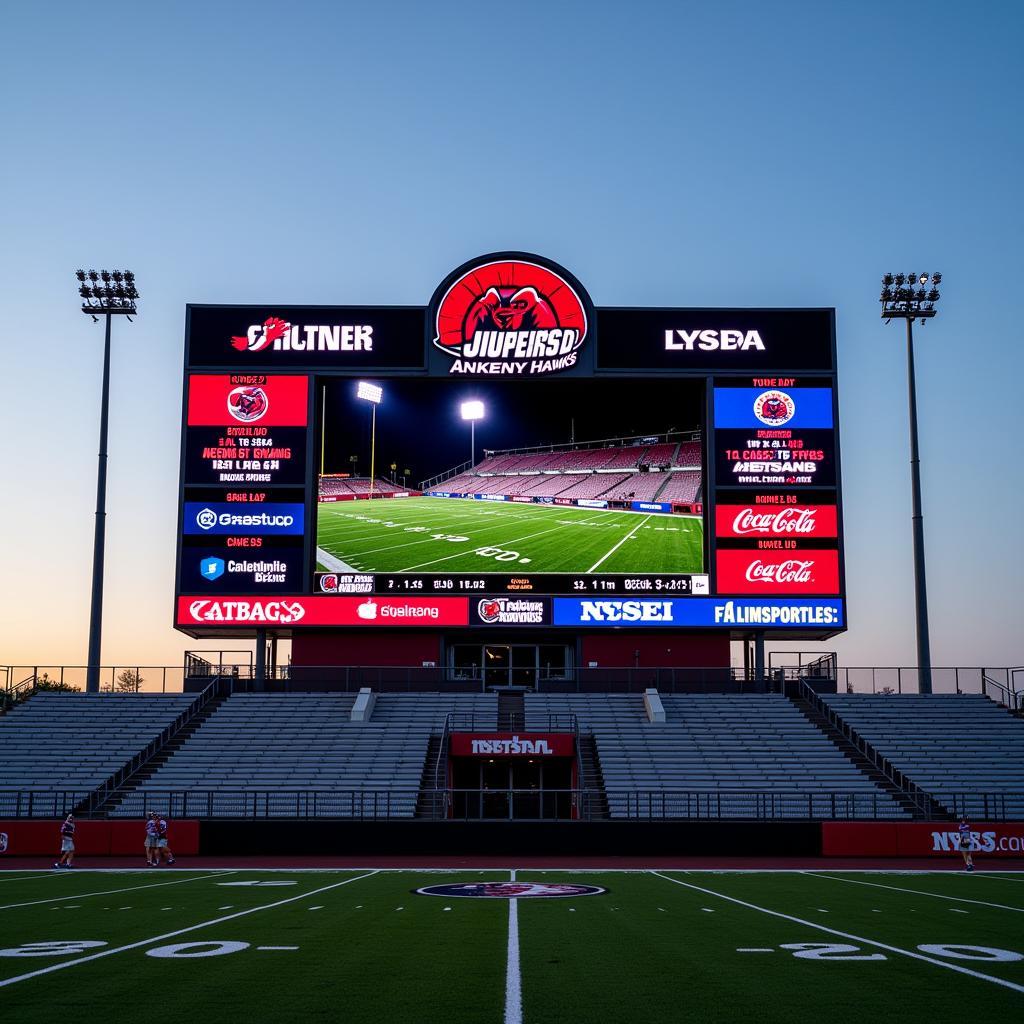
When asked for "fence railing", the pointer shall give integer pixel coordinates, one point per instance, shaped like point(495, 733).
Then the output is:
point(505, 804)
point(1004, 685)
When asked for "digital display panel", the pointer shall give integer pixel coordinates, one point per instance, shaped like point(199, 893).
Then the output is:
point(509, 456)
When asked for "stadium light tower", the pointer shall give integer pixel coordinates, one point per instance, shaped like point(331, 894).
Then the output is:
point(472, 410)
point(373, 394)
point(105, 293)
point(912, 297)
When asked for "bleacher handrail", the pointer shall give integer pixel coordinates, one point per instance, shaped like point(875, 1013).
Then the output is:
point(397, 803)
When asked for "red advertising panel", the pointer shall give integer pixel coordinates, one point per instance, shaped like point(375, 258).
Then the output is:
point(323, 611)
point(263, 400)
point(919, 839)
point(809, 571)
point(795, 522)
point(33, 838)
point(506, 744)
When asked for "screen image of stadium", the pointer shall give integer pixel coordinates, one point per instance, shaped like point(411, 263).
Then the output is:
point(569, 476)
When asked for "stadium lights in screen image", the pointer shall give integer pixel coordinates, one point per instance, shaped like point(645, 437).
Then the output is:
point(369, 392)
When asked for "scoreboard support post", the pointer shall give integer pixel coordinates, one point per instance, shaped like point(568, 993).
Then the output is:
point(758, 656)
point(261, 659)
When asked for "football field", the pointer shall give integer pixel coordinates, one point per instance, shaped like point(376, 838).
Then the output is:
point(642, 947)
point(464, 535)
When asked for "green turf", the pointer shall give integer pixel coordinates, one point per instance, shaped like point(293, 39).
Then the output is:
point(463, 535)
point(647, 950)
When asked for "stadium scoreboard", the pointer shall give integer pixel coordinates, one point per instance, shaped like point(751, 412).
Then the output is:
point(705, 493)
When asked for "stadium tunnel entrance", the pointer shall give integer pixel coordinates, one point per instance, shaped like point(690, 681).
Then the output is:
point(512, 787)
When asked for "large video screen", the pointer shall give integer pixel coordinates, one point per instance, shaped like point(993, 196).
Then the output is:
point(547, 486)
point(510, 456)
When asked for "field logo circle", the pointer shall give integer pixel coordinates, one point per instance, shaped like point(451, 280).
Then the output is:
point(509, 890)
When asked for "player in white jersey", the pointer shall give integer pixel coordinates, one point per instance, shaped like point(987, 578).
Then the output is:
point(67, 843)
point(966, 843)
point(152, 840)
point(163, 851)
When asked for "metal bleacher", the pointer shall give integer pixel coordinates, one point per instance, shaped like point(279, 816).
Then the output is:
point(74, 742)
point(965, 750)
point(717, 755)
point(266, 753)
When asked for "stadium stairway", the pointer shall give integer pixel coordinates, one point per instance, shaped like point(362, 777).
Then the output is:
point(144, 772)
point(915, 801)
point(511, 710)
point(591, 778)
point(426, 802)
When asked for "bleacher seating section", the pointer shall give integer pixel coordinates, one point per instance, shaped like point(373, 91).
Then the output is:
point(356, 485)
point(956, 747)
point(714, 744)
point(574, 473)
point(74, 742)
point(283, 744)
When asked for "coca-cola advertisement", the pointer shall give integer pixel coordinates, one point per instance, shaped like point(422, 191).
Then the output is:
point(799, 521)
point(809, 571)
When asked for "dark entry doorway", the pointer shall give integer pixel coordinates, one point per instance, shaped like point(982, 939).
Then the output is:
point(507, 787)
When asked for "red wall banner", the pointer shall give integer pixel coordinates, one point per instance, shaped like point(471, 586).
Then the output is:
point(34, 837)
point(794, 522)
point(919, 839)
point(235, 399)
point(323, 611)
point(809, 571)
point(507, 744)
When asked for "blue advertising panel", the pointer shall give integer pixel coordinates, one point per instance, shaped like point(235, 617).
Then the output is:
point(794, 408)
point(262, 518)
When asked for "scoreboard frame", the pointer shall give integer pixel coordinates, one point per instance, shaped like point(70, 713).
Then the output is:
point(727, 348)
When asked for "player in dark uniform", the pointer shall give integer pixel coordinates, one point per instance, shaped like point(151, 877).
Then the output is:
point(965, 843)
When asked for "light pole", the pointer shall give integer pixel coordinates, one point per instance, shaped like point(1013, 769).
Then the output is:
point(472, 410)
point(373, 394)
point(909, 297)
point(105, 293)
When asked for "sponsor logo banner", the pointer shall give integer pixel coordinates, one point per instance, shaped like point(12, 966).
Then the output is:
point(702, 340)
point(811, 571)
point(295, 337)
point(489, 497)
point(252, 570)
point(651, 506)
point(254, 518)
point(510, 314)
point(795, 408)
point(770, 613)
point(511, 611)
point(589, 503)
point(796, 522)
point(345, 583)
point(225, 401)
point(563, 501)
point(509, 890)
point(920, 839)
point(522, 498)
point(323, 610)
point(501, 744)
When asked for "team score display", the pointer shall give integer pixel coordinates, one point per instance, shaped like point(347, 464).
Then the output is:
point(763, 458)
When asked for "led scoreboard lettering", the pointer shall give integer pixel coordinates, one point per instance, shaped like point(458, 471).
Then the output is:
point(328, 479)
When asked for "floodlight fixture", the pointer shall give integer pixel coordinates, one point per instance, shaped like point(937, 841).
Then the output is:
point(104, 293)
point(913, 297)
point(369, 392)
point(472, 410)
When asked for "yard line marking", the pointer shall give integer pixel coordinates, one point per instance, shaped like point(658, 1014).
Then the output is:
point(111, 892)
point(957, 910)
point(619, 545)
point(180, 931)
point(918, 892)
point(843, 935)
point(513, 981)
point(27, 878)
point(277, 947)
point(756, 950)
point(505, 544)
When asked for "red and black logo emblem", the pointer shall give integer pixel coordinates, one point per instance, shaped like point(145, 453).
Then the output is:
point(510, 314)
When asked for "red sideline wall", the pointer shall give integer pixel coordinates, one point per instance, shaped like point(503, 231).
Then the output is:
point(396, 650)
point(621, 649)
point(918, 839)
point(94, 838)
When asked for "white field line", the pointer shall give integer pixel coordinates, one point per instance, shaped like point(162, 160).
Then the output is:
point(180, 931)
point(503, 543)
point(333, 564)
point(49, 874)
point(111, 892)
point(513, 980)
point(619, 545)
point(917, 892)
point(997, 878)
point(846, 935)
